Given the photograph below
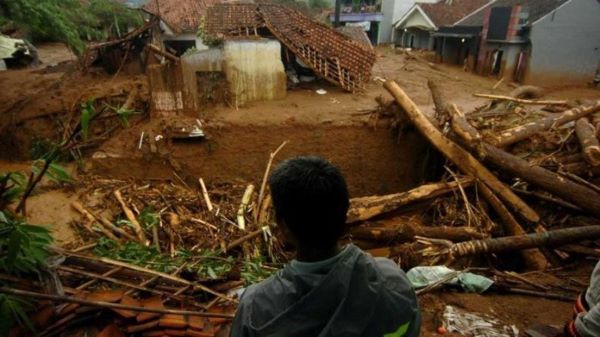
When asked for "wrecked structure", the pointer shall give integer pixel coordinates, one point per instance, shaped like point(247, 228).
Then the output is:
point(330, 54)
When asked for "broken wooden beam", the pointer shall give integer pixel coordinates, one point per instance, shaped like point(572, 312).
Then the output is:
point(590, 147)
point(365, 208)
point(406, 232)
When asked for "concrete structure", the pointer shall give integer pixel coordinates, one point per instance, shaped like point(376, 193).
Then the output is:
point(392, 11)
point(575, 59)
point(241, 71)
point(535, 41)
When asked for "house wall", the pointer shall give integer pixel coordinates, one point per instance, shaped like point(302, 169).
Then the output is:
point(416, 19)
point(191, 64)
point(566, 44)
point(392, 10)
point(510, 54)
point(254, 70)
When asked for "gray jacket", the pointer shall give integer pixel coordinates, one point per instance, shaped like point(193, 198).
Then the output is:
point(356, 295)
point(588, 324)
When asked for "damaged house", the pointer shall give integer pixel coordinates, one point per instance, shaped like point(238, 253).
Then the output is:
point(179, 23)
point(256, 48)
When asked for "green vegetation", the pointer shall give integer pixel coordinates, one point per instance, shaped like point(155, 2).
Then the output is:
point(69, 21)
point(23, 250)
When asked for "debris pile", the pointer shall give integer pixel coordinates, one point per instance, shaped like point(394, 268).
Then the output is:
point(525, 171)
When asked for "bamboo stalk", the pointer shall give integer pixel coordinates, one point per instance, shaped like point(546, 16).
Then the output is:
point(100, 304)
point(263, 185)
point(241, 214)
point(103, 222)
point(243, 239)
point(205, 195)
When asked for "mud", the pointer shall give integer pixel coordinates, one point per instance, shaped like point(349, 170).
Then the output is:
point(374, 161)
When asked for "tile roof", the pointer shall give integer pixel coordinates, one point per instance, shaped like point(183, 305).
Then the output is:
point(180, 15)
point(447, 12)
point(537, 9)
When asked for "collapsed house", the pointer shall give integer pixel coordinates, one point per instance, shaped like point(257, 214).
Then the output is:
point(328, 53)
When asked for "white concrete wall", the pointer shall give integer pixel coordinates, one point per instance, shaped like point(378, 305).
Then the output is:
point(392, 11)
point(169, 34)
point(254, 70)
point(566, 44)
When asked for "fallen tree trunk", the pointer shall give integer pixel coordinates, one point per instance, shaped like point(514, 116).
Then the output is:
point(366, 208)
point(590, 147)
point(568, 190)
point(406, 232)
point(521, 100)
point(510, 243)
point(461, 158)
point(525, 131)
point(533, 257)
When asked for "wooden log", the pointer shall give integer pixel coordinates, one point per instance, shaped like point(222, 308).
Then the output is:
point(163, 53)
point(521, 100)
point(131, 217)
point(590, 147)
point(552, 238)
point(460, 157)
point(560, 186)
point(406, 232)
point(365, 208)
point(534, 258)
point(519, 133)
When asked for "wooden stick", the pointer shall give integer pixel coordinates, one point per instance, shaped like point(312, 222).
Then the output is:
point(147, 271)
point(498, 84)
point(163, 53)
point(461, 158)
point(263, 185)
point(241, 214)
point(131, 217)
point(533, 257)
point(519, 133)
point(540, 294)
point(365, 208)
point(590, 147)
point(243, 239)
point(91, 219)
point(103, 222)
point(521, 100)
point(407, 231)
point(205, 195)
point(100, 304)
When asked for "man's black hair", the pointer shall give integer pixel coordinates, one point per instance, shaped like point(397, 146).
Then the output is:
point(310, 195)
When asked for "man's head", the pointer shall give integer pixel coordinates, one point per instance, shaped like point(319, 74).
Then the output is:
point(311, 200)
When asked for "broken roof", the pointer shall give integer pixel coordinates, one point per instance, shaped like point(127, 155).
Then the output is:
point(447, 12)
point(537, 9)
point(329, 53)
point(180, 15)
point(356, 33)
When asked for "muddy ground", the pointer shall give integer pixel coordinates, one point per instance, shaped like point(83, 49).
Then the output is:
point(375, 158)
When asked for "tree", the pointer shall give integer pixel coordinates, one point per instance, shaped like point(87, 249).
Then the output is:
point(70, 21)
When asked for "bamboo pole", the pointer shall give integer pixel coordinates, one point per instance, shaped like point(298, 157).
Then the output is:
point(241, 214)
point(521, 100)
point(263, 185)
point(461, 158)
point(103, 222)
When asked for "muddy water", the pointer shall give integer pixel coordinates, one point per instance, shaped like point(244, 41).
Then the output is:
point(373, 161)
